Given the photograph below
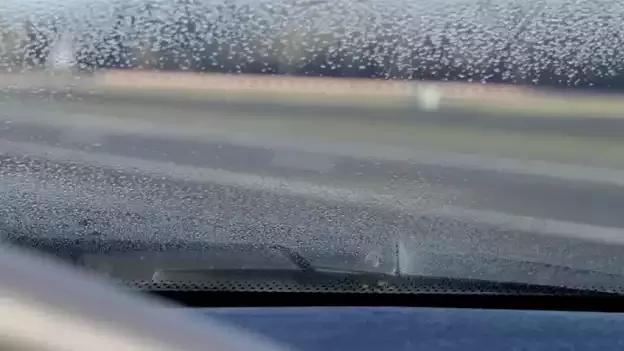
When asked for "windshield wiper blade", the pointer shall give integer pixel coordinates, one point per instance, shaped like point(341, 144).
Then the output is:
point(330, 279)
point(294, 256)
point(306, 273)
point(265, 277)
point(227, 266)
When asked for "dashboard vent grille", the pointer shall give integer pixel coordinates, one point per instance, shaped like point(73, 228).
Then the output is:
point(428, 286)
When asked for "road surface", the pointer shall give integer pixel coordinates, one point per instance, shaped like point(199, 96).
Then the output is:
point(601, 126)
point(405, 113)
point(98, 176)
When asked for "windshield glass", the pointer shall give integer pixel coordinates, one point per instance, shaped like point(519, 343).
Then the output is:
point(473, 136)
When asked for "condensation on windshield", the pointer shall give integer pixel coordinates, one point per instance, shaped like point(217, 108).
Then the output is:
point(475, 135)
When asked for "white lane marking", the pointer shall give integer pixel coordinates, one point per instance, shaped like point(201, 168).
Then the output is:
point(379, 152)
point(353, 195)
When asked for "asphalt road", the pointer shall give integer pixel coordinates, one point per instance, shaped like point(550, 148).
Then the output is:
point(591, 126)
point(96, 182)
point(539, 196)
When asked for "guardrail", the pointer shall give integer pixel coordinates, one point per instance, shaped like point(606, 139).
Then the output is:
point(251, 83)
point(182, 85)
point(243, 83)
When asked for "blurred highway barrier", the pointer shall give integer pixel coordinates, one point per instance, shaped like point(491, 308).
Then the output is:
point(167, 99)
point(311, 89)
point(249, 87)
point(496, 99)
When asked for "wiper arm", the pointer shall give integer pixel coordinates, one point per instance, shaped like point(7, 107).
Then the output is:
point(306, 274)
point(304, 264)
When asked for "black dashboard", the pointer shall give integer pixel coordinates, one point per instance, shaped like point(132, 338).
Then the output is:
point(395, 329)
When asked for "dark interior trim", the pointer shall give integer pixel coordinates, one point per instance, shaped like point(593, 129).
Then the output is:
point(597, 303)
